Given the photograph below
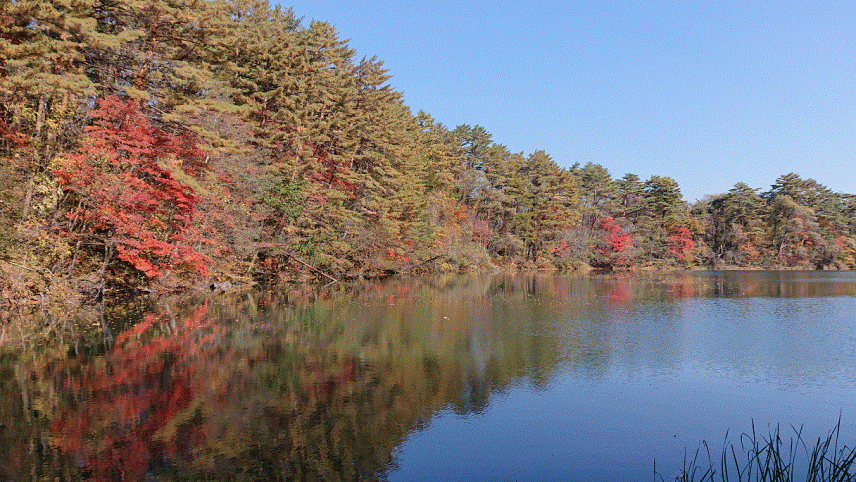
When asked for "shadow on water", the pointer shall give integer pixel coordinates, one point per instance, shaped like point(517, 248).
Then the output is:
point(306, 385)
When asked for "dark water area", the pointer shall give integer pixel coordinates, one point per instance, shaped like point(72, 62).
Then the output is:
point(503, 377)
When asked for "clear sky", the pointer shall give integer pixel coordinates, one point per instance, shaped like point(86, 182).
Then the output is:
point(709, 93)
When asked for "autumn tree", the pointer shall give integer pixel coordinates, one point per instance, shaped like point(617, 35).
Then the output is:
point(129, 193)
point(313, 161)
point(613, 246)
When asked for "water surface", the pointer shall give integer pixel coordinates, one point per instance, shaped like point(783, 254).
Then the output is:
point(514, 377)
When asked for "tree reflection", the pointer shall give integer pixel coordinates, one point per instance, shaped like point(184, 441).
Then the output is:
point(307, 385)
point(259, 389)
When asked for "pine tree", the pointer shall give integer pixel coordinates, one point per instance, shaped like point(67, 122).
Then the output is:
point(442, 165)
point(44, 87)
point(821, 217)
point(739, 225)
point(630, 197)
point(554, 202)
point(166, 50)
point(665, 212)
point(795, 233)
point(509, 210)
point(664, 200)
point(474, 144)
point(596, 193)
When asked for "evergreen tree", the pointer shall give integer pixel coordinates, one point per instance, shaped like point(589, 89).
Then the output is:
point(596, 193)
point(795, 233)
point(664, 214)
point(474, 144)
point(442, 165)
point(664, 200)
point(739, 224)
point(630, 197)
point(554, 208)
point(44, 87)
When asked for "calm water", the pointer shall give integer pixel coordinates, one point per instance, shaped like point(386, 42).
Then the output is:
point(524, 377)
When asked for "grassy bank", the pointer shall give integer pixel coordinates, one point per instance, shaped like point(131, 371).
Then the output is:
point(770, 458)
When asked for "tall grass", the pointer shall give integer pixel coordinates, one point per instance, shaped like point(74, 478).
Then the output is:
point(770, 459)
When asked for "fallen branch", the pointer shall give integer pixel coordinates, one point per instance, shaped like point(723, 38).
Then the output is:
point(290, 254)
point(24, 267)
point(313, 268)
point(424, 262)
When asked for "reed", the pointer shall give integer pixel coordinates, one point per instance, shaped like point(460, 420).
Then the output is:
point(759, 458)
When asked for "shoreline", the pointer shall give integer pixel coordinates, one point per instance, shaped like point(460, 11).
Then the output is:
point(63, 298)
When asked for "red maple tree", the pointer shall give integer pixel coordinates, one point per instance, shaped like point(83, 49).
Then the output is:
point(681, 242)
point(126, 193)
point(617, 243)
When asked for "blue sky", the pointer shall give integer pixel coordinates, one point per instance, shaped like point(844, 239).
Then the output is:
point(709, 93)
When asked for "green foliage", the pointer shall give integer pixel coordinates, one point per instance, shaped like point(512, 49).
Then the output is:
point(738, 225)
point(664, 200)
point(597, 193)
point(310, 246)
point(286, 198)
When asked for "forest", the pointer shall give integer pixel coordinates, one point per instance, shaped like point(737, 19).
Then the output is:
point(161, 145)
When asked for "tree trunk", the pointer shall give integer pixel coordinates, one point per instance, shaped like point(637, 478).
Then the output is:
point(31, 185)
point(40, 116)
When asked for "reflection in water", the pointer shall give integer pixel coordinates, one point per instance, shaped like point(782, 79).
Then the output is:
point(302, 386)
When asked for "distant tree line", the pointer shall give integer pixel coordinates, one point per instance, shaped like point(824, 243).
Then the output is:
point(157, 143)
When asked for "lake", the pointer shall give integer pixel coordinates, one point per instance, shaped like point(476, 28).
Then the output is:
point(473, 377)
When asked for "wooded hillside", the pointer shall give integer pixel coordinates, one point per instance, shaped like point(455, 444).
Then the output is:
point(162, 144)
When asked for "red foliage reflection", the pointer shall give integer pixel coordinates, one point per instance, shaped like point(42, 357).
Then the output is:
point(132, 409)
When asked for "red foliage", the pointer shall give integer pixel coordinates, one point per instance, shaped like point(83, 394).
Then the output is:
point(127, 195)
point(17, 139)
point(399, 255)
point(617, 240)
point(617, 243)
point(481, 232)
point(561, 249)
point(681, 242)
point(331, 173)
